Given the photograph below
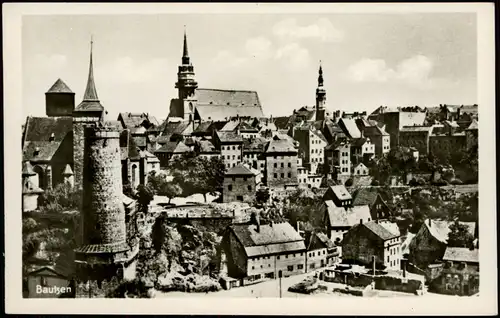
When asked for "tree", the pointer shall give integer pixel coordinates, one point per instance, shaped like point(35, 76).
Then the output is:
point(349, 182)
point(262, 196)
point(145, 194)
point(170, 190)
point(459, 235)
point(61, 197)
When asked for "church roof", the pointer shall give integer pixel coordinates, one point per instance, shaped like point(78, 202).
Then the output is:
point(37, 143)
point(90, 99)
point(60, 87)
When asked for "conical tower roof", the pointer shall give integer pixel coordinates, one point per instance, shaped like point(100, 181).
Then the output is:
point(60, 87)
point(90, 100)
point(320, 75)
point(185, 52)
point(28, 169)
point(67, 171)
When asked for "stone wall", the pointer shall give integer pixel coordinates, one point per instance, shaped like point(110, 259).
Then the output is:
point(242, 189)
point(104, 213)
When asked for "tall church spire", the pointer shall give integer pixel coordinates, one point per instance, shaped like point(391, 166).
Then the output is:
point(185, 53)
point(320, 77)
point(90, 91)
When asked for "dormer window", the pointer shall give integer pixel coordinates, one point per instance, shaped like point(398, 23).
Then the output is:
point(52, 137)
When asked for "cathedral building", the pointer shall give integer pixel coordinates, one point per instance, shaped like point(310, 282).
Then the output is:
point(201, 104)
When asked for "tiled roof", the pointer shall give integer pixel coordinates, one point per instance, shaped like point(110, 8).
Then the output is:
point(219, 97)
point(391, 227)
point(282, 122)
point(374, 131)
point(461, 254)
point(174, 147)
point(365, 196)
point(203, 127)
point(405, 246)
point(40, 150)
point(350, 127)
point(245, 127)
point(239, 170)
point(230, 125)
point(229, 136)
point(271, 239)
point(280, 146)
point(324, 238)
point(171, 128)
point(358, 142)
point(341, 192)
point(89, 106)
point(342, 217)
point(60, 87)
point(269, 126)
point(255, 145)
point(41, 128)
point(336, 145)
point(379, 230)
point(440, 229)
point(103, 248)
point(133, 120)
point(319, 134)
point(206, 146)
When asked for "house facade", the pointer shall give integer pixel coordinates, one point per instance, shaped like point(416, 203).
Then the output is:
point(239, 185)
point(281, 164)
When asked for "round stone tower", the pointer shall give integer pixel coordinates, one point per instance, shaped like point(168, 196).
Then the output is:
point(103, 214)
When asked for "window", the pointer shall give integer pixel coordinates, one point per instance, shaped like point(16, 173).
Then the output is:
point(278, 257)
point(244, 178)
point(289, 165)
point(300, 266)
point(282, 165)
point(249, 188)
point(290, 268)
point(289, 175)
point(301, 254)
point(275, 165)
point(230, 187)
point(234, 148)
point(282, 175)
point(239, 157)
point(269, 265)
point(387, 257)
point(261, 266)
point(275, 175)
point(43, 281)
point(286, 256)
point(253, 267)
point(274, 157)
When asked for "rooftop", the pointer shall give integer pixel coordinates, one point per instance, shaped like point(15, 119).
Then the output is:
point(239, 170)
point(59, 87)
point(461, 254)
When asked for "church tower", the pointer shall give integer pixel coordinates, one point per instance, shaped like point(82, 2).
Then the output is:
point(86, 114)
point(320, 97)
point(186, 84)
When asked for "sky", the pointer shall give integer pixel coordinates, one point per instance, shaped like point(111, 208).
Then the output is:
point(368, 60)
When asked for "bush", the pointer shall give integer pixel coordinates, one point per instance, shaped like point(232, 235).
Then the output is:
point(349, 182)
point(61, 197)
point(375, 183)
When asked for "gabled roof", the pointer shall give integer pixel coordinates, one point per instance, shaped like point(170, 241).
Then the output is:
point(27, 169)
point(174, 147)
point(440, 228)
point(461, 254)
point(203, 127)
point(282, 122)
point(358, 142)
point(239, 170)
point(40, 150)
point(229, 136)
point(319, 134)
point(350, 127)
point(222, 97)
point(246, 127)
point(473, 125)
point(344, 217)
point(230, 125)
point(270, 239)
point(374, 131)
point(280, 145)
point(178, 128)
point(365, 196)
point(67, 170)
point(325, 240)
point(336, 145)
point(379, 230)
point(60, 87)
point(360, 165)
point(205, 146)
point(41, 128)
point(340, 192)
point(133, 120)
point(255, 145)
point(149, 156)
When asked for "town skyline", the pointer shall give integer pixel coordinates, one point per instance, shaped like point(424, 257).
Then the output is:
point(424, 73)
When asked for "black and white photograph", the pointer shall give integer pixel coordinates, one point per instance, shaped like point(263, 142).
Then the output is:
point(259, 154)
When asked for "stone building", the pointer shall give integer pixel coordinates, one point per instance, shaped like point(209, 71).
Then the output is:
point(380, 138)
point(338, 220)
point(417, 137)
point(281, 164)
point(258, 251)
point(105, 251)
point(460, 273)
point(230, 145)
point(31, 191)
point(430, 242)
point(206, 149)
point(369, 241)
point(197, 104)
point(312, 144)
point(339, 195)
point(362, 150)
point(379, 209)
point(171, 150)
point(239, 185)
point(253, 153)
point(395, 119)
point(338, 160)
point(447, 143)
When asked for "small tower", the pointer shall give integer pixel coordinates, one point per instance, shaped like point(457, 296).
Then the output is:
point(68, 176)
point(30, 190)
point(87, 113)
point(320, 96)
point(59, 100)
point(186, 83)
point(105, 248)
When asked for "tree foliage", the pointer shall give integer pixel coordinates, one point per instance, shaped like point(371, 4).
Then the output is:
point(60, 198)
point(145, 194)
point(459, 235)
